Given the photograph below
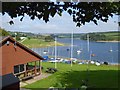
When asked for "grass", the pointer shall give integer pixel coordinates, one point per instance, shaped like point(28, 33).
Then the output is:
point(104, 76)
point(39, 43)
point(113, 35)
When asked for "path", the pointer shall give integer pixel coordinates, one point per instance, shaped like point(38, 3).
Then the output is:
point(37, 78)
point(23, 40)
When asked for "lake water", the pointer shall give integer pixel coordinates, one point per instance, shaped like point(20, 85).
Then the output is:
point(101, 50)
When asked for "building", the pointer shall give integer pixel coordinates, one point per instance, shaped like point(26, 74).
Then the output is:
point(17, 61)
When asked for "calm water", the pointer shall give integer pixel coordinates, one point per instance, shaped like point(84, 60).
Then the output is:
point(100, 49)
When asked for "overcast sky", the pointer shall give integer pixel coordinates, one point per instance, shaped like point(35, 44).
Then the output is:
point(57, 24)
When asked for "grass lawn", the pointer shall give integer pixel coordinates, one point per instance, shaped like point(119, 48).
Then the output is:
point(104, 76)
point(39, 43)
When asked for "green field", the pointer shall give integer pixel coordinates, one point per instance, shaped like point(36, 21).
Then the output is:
point(112, 35)
point(104, 76)
point(39, 43)
point(102, 36)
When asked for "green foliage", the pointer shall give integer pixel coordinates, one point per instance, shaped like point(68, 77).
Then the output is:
point(48, 38)
point(3, 32)
point(81, 12)
point(69, 35)
point(104, 36)
point(18, 38)
point(94, 37)
point(29, 38)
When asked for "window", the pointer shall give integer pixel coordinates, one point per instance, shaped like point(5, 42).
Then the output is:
point(18, 68)
point(22, 68)
point(7, 43)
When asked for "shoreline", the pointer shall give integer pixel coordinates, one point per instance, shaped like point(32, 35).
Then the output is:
point(108, 41)
point(83, 60)
point(47, 45)
point(40, 43)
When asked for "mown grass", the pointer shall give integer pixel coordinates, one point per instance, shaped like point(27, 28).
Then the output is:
point(104, 76)
point(39, 43)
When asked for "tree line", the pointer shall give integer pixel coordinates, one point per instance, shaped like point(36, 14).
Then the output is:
point(101, 37)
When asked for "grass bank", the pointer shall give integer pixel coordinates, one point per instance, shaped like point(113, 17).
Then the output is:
point(31, 43)
point(104, 76)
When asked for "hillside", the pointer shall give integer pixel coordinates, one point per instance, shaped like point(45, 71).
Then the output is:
point(68, 35)
point(3, 32)
point(102, 36)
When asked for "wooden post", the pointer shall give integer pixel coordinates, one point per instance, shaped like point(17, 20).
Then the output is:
point(25, 70)
point(40, 66)
point(35, 69)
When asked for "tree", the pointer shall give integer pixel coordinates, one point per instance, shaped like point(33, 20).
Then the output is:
point(81, 12)
point(18, 38)
point(49, 38)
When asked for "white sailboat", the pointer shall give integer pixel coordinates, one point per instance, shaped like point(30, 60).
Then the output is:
point(79, 51)
point(45, 52)
point(110, 49)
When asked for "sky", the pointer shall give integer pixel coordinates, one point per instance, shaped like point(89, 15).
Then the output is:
point(57, 24)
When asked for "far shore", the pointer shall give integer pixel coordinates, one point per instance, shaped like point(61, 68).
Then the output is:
point(108, 41)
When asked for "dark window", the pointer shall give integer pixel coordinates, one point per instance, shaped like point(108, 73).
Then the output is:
point(22, 68)
point(16, 69)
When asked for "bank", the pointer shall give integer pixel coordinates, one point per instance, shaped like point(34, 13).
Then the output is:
point(39, 43)
point(109, 41)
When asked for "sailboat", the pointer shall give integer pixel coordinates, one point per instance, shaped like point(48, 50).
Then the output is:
point(110, 49)
point(79, 51)
point(45, 52)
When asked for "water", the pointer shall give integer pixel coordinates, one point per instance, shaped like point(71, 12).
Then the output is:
point(99, 49)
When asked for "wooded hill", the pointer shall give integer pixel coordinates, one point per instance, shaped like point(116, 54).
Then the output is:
point(46, 38)
point(102, 36)
point(97, 36)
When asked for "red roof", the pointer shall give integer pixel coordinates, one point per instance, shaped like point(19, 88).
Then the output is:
point(13, 55)
point(20, 45)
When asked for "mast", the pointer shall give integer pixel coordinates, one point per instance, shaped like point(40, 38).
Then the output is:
point(88, 42)
point(15, 40)
point(55, 52)
point(88, 47)
point(71, 47)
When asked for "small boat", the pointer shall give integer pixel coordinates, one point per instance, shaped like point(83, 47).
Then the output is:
point(45, 52)
point(92, 62)
point(110, 49)
point(80, 63)
point(79, 51)
point(68, 49)
point(97, 63)
point(92, 55)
